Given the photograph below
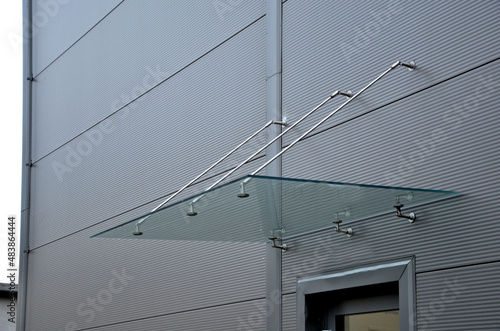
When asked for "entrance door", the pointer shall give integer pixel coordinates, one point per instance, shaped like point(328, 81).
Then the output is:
point(364, 308)
point(373, 298)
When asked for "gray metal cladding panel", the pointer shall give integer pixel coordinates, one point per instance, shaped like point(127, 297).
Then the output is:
point(238, 316)
point(289, 312)
point(94, 282)
point(141, 154)
point(459, 299)
point(464, 298)
point(57, 24)
point(343, 45)
point(140, 44)
point(445, 137)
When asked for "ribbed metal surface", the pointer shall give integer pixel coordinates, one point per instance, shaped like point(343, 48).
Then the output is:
point(347, 44)
point(169, 278)
point(238, 316)
point(139, 155)
point(375, 149)
point(177, 131)
point(459, 299)
point(443, 137)
point(289, 322)
point(54, 32)
point(115, 61)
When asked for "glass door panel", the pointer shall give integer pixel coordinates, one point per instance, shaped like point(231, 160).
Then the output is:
point(379, 321)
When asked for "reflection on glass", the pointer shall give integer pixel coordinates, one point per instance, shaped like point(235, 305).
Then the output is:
point(380, 321)
point(271, 207)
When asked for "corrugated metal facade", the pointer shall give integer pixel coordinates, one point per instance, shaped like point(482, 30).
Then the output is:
point(197, 74)
point(55, 32)
point(434, 128)
point(196, 71)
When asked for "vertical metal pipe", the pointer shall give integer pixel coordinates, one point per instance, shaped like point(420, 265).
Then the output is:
point(26, 164)
point(273, 110)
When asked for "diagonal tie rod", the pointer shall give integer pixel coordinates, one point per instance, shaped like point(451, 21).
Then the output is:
point(410, 65)
point(137, 232)
point(192, 213)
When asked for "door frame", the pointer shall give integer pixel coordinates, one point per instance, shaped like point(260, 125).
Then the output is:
point(401, 271)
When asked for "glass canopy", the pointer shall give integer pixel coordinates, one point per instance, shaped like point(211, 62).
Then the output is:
point(255, 208)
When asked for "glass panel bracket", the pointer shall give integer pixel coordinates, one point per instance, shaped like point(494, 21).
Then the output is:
point(276, 241)
point(337, 222)
point(412, 217)
point(281, 246)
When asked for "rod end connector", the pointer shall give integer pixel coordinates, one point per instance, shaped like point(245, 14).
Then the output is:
point(410, 65)
point(137, 231)
point(348, 94)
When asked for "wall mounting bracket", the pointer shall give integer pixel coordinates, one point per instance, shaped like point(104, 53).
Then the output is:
point(411, 216)
point(282, 246)
point(282, 123)
point(348, 231)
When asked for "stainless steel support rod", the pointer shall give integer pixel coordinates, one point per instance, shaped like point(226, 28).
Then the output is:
point(410, 65)
point(213, 165)
point(208, 169)
point(334, 94)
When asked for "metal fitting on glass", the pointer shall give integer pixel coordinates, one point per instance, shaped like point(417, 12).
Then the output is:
point(191, 211)
point(137, 231)
point(282, 246)
point(411, 216)
point(243, 193)
point(346, 213)
point(348, 231)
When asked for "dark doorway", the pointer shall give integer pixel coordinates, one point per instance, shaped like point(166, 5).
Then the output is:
point(363, 308)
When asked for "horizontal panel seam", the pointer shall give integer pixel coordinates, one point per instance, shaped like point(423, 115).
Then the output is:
point(73, 44)
point(139, 206)
point(174, 313)
point(435, 270)
point(322, 131)
point(457, 267)
point(151, 89)
point(399, 99)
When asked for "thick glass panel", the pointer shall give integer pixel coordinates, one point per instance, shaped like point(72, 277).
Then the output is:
point(274, 207)
point(380, 321)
